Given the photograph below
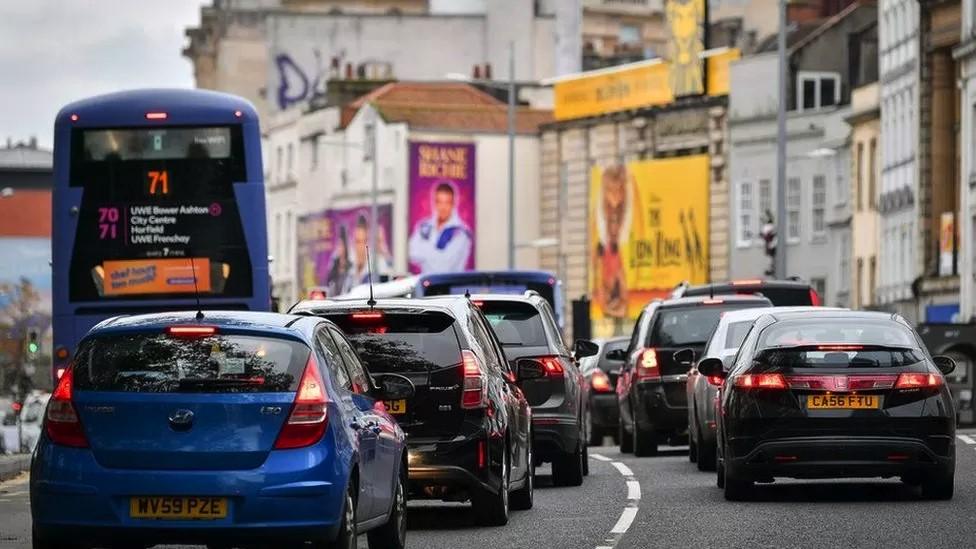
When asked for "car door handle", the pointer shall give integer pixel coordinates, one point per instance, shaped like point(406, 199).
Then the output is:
point(355, 426)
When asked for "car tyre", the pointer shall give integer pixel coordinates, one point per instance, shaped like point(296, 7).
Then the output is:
point(939, 487)
point(492, 509)
point(624, 440)
point(706, 456)
point(347, 536)
point(393, 533)
point(567, 469)
point(736, 489)
point(586, 461)
point(719, 473)
point(645, 442)
point(524, 498)
point(692, 448)
point(594, 434)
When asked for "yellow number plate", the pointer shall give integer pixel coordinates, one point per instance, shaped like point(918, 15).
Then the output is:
point(396, 406)
point(843, 402)
point(178, 508)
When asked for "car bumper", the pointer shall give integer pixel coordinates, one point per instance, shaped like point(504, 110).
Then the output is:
point(840, 457)
point(656, 407)
point(554, 435)
point(604, 411)
point(295, 494)
point(449, 469)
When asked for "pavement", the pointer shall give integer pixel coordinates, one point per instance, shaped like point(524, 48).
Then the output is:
point(13, 465)
point(664, 501)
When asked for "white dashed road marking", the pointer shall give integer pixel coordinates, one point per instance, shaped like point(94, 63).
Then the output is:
point(629, 513)
point(966, 438)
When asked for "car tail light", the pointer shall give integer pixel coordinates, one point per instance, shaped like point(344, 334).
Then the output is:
point(647, 365)
point(761, 381)
point(63, 426)
point(482, 454)
point(309, 414)
point(918, 381)
point(552, 365)
point(600, 382)
point(473, 395)
point(815, 298)
point(191, 331)
point(367, 315)
point(716, 381)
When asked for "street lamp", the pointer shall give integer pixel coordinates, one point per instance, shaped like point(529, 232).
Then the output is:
point(510, 86)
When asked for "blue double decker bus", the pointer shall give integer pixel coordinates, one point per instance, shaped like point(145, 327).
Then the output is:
point(158, 201)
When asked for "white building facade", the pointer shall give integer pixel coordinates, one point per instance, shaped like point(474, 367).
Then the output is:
point(900, 254)
point(965, 53)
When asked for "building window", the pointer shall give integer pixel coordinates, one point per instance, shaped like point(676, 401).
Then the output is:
point(745, 214)
point(816, 90)
point(793, 209)
point(840, 189)
point(819, 205)
point(872, 174)
point(288, 171)
point(859, 176)
point(765, 199)
point(629, 35)
point(279, 164)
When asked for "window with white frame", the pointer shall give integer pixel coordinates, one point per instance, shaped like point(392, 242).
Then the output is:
point(815, 90)
point(745, 214)
point(793, 209)
point(819, 206)
point(765, 199)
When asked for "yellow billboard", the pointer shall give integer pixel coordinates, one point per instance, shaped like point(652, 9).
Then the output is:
point(686, 42)
point(648, 226)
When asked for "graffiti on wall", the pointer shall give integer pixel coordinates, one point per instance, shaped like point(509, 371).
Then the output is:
point(296, 84)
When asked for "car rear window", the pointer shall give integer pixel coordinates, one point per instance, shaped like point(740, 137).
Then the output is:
point(780, 297)
point(401, 342)
point(515, 323)
point(863, 358)
point(835, 330)
point(675, 327)
point(159, 363)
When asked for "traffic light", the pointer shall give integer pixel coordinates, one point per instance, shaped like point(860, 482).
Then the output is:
point(33, 343)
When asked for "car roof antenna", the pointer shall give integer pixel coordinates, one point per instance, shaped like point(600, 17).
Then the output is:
point(711, 291)
point(467, 293)
point(369, 270)
point(196, 289)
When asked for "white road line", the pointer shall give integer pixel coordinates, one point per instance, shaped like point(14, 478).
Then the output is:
point(624, 470)
point(625, 520)
point(598, 457)
point(966, 438)
point(633, 489)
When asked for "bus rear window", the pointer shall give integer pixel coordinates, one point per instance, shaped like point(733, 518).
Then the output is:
point(158, 363)
point(159, 215)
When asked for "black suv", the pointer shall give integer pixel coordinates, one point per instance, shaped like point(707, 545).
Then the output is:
point(526, 327)
point(468, 423)
point(783, 293)
point(651, 388)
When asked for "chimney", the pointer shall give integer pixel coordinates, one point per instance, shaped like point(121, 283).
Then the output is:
point(487, 71)
point(476, 74)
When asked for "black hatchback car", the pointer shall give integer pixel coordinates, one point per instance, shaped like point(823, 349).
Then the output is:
point(651, 388)
point(834, 394)
point(782, 293)
point(468, 423)
point(526, 327)
point(600, 373)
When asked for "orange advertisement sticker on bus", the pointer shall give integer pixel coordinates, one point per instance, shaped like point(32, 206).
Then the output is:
point(156, 276)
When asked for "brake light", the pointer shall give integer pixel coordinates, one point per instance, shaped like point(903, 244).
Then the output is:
point(63, 426)
point(552, 365)
point(16, 406)
point(815, 298)
point(156, 116)
point(600, 382)
point(191, 331)
point(713, 301)
point(918, 381)
point(716, 381)
point(309, 414)
point(473, 394)
point(749, 282)
point(647, 365)
point(761, 381)
point(840, 347)
point(371, 315)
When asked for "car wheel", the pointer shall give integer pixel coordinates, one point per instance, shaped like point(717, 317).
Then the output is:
point(492, 509)
point(736, 489)
point(567, 469)
point(645, 442)
point(692, 447)
point(523, 498)
point(393, 533)
point(594, 435)
point(719, 473)
point(347, 536)
point(586, 461)
point(624, 439)
point(706, 456)
point(939, 487)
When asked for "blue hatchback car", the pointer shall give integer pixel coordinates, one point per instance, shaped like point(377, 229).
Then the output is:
point(234, 428)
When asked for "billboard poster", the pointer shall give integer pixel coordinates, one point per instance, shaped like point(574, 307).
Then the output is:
point(947, 243)
point(648, 226)
point(441, 214)
point(686, 21)
point(331, 248)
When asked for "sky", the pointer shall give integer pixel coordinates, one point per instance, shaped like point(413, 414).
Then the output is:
point(53, 52)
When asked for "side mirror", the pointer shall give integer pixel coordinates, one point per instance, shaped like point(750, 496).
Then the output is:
point(393, 387)
point(712, 367)
point(617, 355)
point(684, 357)
point(945, 364)
point(529, 368)
point(584, 348)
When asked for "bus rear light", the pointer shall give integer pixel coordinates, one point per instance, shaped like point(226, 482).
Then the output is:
point(191, 331)
point(647, 365)
point(63, 426)
point(238, 114)
point(309, 414)
point(473, 388)
point(156, 116)
point(74, 117)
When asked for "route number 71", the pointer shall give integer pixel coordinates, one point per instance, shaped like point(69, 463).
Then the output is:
point(158, 179)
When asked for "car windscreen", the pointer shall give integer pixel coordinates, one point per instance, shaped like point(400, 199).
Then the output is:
point(517, 324)
point(736, 333)
point(401, 342)
point(160, 363)
point(675, 327)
